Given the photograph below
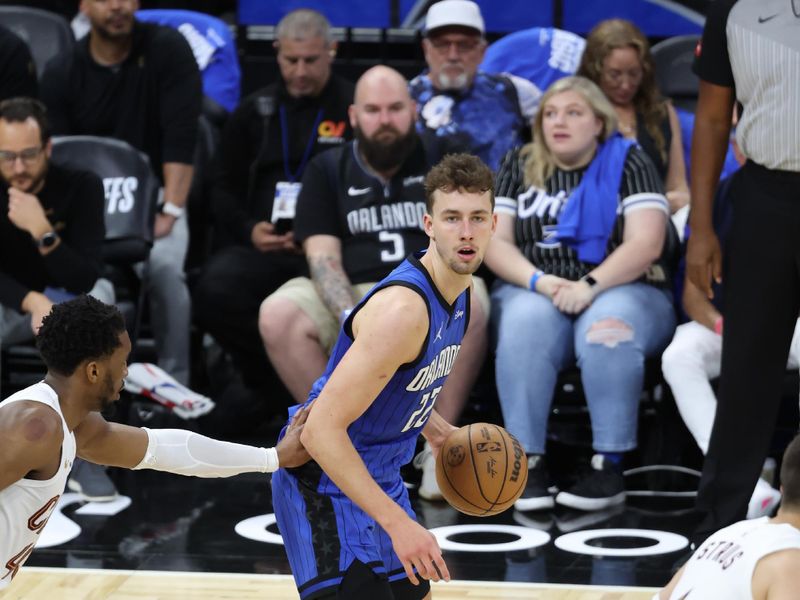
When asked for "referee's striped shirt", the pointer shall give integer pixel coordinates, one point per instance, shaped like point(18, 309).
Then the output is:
point(754, 47)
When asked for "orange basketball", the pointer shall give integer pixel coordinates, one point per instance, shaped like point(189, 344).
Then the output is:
point(481, 469)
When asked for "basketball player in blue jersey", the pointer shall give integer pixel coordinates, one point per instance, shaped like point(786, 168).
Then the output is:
point(345, 517)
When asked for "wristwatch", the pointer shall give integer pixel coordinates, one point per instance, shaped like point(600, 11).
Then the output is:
point(590, 280)
point(48, 240)
point(173, 210)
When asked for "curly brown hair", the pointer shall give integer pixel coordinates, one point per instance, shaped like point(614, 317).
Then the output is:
point(609, 35)
point(459, 172)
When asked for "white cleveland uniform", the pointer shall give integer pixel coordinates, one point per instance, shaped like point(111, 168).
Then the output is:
point(25, 506)
point(723, 566)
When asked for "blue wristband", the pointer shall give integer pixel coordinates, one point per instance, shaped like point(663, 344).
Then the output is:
point(534, 278)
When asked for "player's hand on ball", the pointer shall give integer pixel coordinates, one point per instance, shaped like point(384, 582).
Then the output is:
point(417, 548)
point(291, 452)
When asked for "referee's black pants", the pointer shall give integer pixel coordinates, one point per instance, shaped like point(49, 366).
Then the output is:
point(761, 279)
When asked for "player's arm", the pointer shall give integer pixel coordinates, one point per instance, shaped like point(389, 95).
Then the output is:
point(324, 256)
point(777, 576)
point(184, 452)
point(30, 437)
point(436, 431)
point(389, 331)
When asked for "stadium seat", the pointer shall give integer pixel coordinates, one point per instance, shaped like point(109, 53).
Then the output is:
point(673, 60)
point(540, 54)
point(47, 34)
point(131, 190)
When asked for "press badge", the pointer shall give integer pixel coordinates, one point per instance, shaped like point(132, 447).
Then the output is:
point(286, 194)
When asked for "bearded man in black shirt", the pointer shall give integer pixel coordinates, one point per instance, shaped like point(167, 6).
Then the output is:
point(139, 82)
point(359, 215)
point(265, 147)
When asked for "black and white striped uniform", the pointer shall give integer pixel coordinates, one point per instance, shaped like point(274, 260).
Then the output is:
point(537, 212)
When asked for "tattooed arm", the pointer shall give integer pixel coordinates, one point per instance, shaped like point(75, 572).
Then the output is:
point(324, 256)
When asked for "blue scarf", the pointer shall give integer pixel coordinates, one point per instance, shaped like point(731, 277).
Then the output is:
point(588, 216)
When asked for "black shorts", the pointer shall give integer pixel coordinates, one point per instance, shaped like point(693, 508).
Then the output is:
point(361, 583)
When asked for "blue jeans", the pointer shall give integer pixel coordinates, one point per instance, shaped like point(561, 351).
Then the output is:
point(534, 341)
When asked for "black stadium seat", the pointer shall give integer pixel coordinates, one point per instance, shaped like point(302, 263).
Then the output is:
point(47, 34)
point(673, 58)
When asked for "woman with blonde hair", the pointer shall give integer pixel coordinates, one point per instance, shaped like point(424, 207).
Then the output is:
point(617, 58)
point(582, 220)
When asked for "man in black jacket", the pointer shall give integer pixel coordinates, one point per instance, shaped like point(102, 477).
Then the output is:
point(265, 148)
point(51, 233)
point(17, 69)
point(139, 82)
point(51, 223)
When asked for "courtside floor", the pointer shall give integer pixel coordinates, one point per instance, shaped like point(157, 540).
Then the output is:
point(174, 537)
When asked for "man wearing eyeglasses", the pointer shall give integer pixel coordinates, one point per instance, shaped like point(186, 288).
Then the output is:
point(485, 114)
point(51, 225)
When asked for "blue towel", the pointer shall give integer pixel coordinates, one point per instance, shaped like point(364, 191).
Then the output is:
point(589, 214)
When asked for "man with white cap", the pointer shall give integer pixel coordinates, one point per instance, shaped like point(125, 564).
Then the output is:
point(487, 114)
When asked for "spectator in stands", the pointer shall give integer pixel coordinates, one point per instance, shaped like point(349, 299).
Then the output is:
point(359, 215)
point(139, 82)
point(265, 148)
point(579, 250)
point(456, 100)
point(617, 58)
point(17, 69)
point(51, 231)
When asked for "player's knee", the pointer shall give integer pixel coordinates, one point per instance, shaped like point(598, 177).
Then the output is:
point(278, 320)
point(609, 332)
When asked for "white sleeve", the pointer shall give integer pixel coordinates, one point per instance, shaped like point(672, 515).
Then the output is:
point(188, 453)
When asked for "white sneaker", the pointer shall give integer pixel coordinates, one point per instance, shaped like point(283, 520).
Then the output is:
point(763, 501)
point(428, 487)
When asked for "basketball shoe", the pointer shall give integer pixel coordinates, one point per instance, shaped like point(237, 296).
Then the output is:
point(536, 495)
point(600, 487)
point(764, 500)
point(428, 487)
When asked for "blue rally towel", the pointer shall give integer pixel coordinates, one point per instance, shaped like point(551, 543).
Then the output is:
point(589, 214)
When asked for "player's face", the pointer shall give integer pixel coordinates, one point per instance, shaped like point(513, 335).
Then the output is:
point(23, 156)
point(114, 372)
point(110, 19)
point(453, 55)
point(621, 76)
point(461, 227)
point(305, 65)
point(570, 128)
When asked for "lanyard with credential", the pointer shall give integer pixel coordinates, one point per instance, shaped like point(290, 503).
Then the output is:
point(292, 177)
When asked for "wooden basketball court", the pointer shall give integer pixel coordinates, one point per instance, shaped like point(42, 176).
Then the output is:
point(34, 583)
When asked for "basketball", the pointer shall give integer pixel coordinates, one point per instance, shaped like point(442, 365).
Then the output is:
point(481, 469)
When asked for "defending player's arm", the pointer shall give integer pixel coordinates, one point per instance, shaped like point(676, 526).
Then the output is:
point(184, 452)
point(324, 256)
point(389, 331)
point(30, 438)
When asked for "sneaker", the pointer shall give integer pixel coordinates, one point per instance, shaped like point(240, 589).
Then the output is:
point(600, 488)
point(428, 487)
point(91, 482)
point(763, 501)
point(536, 495)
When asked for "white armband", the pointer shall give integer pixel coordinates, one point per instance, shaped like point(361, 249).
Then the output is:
point(188, 453)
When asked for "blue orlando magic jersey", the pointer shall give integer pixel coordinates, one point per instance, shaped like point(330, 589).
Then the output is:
point(385, 435)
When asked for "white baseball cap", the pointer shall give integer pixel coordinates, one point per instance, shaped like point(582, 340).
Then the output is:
point(452, 13)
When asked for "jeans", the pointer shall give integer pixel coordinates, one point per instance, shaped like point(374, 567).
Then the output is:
point(534, 341)
point(170, 304)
